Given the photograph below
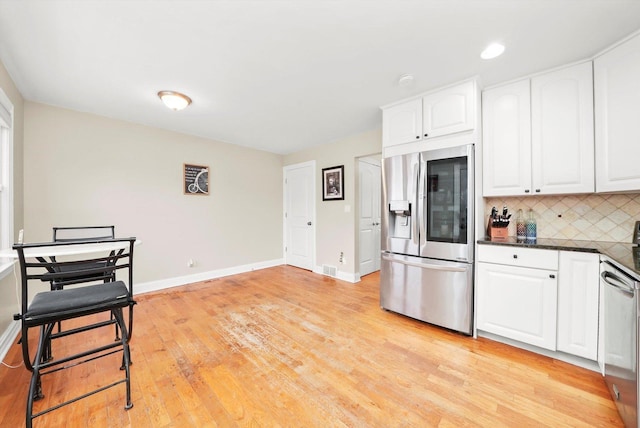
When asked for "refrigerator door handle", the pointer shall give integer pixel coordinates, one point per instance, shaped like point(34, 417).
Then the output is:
point(416, 197)
point(425, 265)
point(421, 233)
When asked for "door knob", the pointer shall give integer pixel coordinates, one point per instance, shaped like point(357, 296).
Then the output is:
point(308, 223)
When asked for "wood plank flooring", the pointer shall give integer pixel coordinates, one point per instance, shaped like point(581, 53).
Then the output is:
point(286, 347)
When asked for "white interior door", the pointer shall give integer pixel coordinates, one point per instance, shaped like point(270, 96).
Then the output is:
point(369, 222)
point(299, 215)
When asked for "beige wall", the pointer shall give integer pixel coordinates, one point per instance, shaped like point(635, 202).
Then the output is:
point(336, 229)
point(83, 169)
point(8, 300)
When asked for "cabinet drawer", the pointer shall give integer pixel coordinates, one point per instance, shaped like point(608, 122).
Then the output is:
point(518, 256)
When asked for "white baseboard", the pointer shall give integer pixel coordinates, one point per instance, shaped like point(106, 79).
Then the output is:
point(349, 277)
point(8, 337)
point(147, 287)
point(344, 276)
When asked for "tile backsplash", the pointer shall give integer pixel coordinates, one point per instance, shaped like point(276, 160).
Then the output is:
point(592, 217)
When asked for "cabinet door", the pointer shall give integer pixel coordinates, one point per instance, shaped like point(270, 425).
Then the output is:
point(449, 110)
point(617, 107)
point(578, 284)
point(402, 123)
point(518, 303)
point(506, 130)
point(601, 333)
point(562, 141)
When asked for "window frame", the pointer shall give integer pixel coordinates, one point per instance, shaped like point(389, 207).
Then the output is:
point(6, 182)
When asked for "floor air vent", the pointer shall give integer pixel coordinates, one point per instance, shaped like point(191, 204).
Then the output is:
point(329, 270)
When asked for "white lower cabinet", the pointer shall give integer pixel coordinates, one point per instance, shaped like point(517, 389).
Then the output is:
point(546, 298)
point(578, 298)
point(515, 302)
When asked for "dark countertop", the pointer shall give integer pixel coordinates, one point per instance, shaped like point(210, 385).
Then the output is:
point(622, 254)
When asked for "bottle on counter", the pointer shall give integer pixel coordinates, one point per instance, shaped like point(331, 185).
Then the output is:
point(521, 230)
point(531, 227)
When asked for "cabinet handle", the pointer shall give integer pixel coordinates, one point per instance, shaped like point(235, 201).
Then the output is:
point(537, 190)
point(526, 190)
point(515, 256)
point(552, 276)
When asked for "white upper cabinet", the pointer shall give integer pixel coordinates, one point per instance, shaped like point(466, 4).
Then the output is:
point(538, 135)
point(449, 110)
point(402, 123)
point(562, 158)
point(617, 101)
point(443, 112)
point(506, 130)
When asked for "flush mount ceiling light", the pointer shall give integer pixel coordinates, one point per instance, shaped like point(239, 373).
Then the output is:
point(492, 51)
point(174, 100)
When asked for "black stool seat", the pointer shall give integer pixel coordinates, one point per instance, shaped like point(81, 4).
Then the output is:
point(51, 306)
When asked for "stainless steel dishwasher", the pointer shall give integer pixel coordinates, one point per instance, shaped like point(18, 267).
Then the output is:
point(621, 324)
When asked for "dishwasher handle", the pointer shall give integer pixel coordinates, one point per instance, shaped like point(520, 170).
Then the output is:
point(426, 265)
point(615, 281)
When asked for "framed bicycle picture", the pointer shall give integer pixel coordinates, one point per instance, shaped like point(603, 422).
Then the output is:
point(333, 183)
point(196, 179)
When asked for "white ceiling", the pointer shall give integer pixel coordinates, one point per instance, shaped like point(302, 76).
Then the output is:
point(282, 76)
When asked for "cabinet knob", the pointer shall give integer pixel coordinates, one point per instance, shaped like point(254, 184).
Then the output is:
point(426, 135)
point(537, 190)
point(515, 256)
point(417, 137)
point(526, 190)
point(552, 276)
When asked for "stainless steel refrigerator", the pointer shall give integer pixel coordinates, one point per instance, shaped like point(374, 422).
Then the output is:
point(427, 237)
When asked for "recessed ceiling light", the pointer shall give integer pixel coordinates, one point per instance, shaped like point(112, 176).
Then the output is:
point(492, 51)
point(174, 100)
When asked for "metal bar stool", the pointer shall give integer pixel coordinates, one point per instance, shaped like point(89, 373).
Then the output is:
point(68, 262)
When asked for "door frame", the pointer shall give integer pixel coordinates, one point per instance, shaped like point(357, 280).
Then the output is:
point(356, 219)
point(285, 170)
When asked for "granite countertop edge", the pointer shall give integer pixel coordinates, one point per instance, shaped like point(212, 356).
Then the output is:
point(625, 255)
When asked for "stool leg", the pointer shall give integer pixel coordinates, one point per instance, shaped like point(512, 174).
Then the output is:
point(117, 339)
point(47, 353)
point(35, 385)
point(126, 356)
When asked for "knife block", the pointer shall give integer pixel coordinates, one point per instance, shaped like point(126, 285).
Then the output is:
point(499, 234)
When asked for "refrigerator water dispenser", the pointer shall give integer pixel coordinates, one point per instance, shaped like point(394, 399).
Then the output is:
point(400, 219)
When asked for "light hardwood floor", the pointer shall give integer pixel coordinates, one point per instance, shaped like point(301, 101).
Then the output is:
point(286, 347)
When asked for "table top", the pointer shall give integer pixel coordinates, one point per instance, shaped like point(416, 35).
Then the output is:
point(69, 249)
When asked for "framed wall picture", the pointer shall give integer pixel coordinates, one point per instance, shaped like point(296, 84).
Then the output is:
point(333, 183)
point(196, 179)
